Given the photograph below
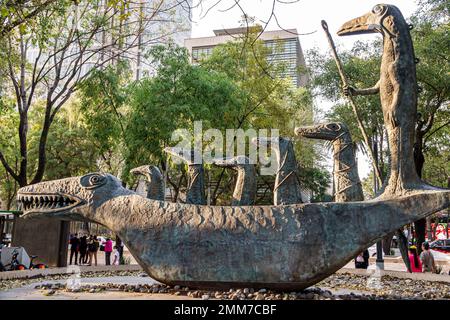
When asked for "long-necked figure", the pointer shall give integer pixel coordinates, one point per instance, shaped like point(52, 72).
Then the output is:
point(287, 183)
point(398, 91)
point(244, 193)
point(152, 184)
point(347, 185)
point(195, 193)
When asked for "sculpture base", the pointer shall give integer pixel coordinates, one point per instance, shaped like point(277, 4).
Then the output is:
point(46, 238)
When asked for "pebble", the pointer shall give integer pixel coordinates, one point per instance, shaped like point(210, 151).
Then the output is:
point(49, 292)
point(390, 288)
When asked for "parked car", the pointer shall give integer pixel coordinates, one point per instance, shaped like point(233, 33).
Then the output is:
point(442, 245)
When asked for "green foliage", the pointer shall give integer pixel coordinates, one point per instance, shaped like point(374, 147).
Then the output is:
point(70, 151)
point(270, 101)
point(362, 68)
point(103, 105)
point(178, 95)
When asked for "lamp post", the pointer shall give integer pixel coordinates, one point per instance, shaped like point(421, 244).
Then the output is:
point(380, 260)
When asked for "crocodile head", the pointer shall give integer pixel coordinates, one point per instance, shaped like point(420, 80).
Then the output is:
point(327, 131)
point(382, 19)
point(74, 198)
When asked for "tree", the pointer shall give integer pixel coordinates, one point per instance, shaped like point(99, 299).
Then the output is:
point(15, 14)
point(178, 95)
point(66, 45)
point(270, 100)
point(102, 106)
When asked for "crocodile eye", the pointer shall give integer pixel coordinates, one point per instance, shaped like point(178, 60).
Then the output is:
point(378, 9)
point(333, 127)
point(92, 180)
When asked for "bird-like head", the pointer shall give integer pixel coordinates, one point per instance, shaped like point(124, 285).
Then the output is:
point(151, 173)
point(383, 18)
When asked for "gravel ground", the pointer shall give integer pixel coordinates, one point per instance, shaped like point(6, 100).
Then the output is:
point(342, 286)
point(17, 283)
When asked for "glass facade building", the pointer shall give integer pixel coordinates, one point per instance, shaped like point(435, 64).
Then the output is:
point(284, 48)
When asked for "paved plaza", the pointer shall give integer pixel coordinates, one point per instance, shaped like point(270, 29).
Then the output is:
point(130, 283)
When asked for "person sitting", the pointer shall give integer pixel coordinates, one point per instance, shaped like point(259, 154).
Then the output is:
point(414, 262)
point(362, 260)
point(427, 258)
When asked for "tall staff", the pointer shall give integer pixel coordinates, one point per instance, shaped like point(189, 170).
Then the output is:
point(352, 102)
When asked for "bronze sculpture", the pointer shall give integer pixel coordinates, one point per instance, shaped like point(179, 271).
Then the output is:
point(287, 247)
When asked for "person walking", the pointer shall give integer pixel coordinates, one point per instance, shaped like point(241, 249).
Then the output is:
point(83, 249)
point(74, 247)
point(93, 246)
point(90, 249)
point(97, 246)
point(428, 264)
point(414, 262)
point(120, 246)
point(108, 250)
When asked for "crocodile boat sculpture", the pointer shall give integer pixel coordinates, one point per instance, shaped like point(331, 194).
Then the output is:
point(286, 247)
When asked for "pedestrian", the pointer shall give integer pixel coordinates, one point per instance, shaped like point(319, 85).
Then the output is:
point(366, 257)
point(90, 249)
point(74, 247)
point(116, 256)
point(108, 250)
point(414, 262)
point(83, 249)
point(427, 258)
point(362, 260)
point(97, 246)
point(120, 246)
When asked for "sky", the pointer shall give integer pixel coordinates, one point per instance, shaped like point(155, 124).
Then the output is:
point(305, 16)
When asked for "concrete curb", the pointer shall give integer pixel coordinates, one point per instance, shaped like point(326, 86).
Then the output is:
point(399, 274)
point(65, 270)
point(134, 267)
point(398, 259)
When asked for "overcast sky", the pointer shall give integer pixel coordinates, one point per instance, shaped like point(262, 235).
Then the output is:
point(305, 16)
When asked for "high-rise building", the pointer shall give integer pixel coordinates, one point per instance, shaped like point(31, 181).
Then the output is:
point(174, 25)
point(284, 44)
